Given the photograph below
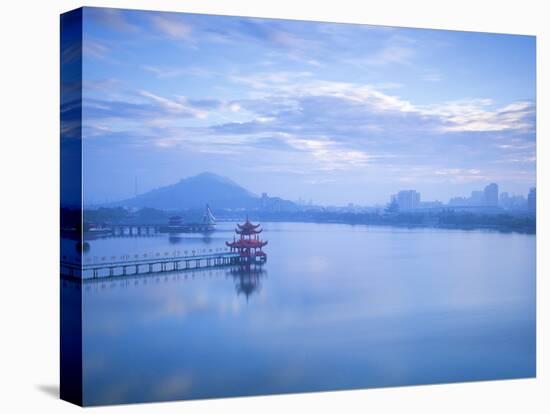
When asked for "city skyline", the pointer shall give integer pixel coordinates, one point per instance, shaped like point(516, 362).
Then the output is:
point(490, 195)
point(336, 113)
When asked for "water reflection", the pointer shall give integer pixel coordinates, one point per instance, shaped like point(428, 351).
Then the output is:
point(207, 238)
point(180, 238)
point(343, 307)
point(247, 279)
point(175, 239)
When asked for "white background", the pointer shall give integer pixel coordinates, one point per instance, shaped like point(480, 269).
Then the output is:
point(29, 194)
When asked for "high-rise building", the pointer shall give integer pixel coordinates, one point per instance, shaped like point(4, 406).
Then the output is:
point(532, 200)
point(408, 199)
point(504, 199)
point(491, 195)
point(459, 201)
point(477, 198)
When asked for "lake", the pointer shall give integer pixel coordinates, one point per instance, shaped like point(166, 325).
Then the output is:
point(335, 307)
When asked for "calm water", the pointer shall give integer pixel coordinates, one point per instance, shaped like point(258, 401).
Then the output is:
point(336, 307)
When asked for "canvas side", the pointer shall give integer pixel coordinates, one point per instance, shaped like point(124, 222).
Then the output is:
point(71, 207)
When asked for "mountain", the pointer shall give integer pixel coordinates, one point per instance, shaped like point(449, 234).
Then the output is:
point(196, 192)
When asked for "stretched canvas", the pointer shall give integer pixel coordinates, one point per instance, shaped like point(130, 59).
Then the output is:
point(260, 206)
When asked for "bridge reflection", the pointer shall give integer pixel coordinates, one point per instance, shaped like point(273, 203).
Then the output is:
point(247, 279)
point(180, 239)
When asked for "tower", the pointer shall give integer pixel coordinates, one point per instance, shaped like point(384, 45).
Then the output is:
point(248, 245)
point(208, 218)
point(491, 195)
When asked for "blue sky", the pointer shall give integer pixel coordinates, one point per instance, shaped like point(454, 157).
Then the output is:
point(336, 113)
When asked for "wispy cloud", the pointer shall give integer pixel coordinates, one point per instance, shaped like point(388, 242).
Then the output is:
point(172, 26)
point(432, 77)
point(94, 48)
point(458, 116)
point(164, 72)
point(395, 50)
point(393, 54)
point(167, 72)
point(113, 19)
point(307, 124)
point(328, 155)
point(473, 116)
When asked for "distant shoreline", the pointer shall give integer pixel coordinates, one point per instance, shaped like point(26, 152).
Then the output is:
point(498, 228)
point(501, 222)
point(507, 223)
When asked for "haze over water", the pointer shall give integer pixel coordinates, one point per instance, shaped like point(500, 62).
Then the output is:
point(337, 307)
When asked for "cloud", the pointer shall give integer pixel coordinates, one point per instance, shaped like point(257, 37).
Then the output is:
point(304, 125)
point(394, 50)
point(163, 73)
point(71, 53)
point(147, 114)
point(457, 116)
point(94, 48)
point(512, 146)
point(432, 77)
point(113, 19)
point(180, 105)
point(166, 72)
point(328, 155)
point(472, 116)
point(172, 26)
point(174, 387)
point(527, 159)
point(280, 81)
point(393, 54)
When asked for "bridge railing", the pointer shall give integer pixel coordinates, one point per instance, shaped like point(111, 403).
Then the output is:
point(129, 261)
point(86, 260)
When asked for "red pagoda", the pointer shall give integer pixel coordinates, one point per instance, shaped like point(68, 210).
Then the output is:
point(249, 246)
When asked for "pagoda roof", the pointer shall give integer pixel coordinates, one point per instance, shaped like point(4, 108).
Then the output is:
point(242, 243)
point(246, 232)
point(247, 228)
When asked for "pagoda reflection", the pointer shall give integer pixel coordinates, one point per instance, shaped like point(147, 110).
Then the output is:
point(247, 278)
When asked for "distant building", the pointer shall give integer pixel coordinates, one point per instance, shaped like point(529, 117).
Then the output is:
point(431, 204)
point(459, 201)
point(268, 203)
point(532, 200)
point(477, 198)
point(351, 207)
point(512, 202)
point(491, 195)
point(517, 202)
point(264, 203)
point(504, 199)
point(407, 199)
point(392, 206)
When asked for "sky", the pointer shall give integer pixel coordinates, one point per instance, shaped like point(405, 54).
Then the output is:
point(333, 113)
